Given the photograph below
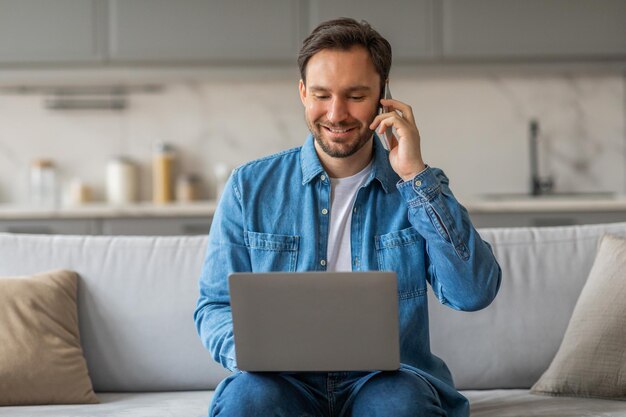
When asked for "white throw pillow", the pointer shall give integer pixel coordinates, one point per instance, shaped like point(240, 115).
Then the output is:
point(591, 361)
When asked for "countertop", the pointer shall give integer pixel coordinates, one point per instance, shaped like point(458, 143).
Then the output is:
point(544, 204)
point(103, 210)
point(555, 204)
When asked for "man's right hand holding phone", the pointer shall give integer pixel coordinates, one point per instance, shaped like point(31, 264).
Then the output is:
point(405, 154)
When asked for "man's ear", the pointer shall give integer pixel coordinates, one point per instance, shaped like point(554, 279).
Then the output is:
point(302, 89)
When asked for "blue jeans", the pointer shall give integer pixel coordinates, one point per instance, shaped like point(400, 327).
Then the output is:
point(334, 394)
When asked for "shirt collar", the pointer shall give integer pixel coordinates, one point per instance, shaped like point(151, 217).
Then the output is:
point(381, 168)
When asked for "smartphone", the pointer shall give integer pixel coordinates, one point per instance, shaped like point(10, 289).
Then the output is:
point(386, 135)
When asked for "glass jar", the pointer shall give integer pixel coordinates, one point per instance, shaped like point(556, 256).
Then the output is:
point(43, 184)
point(221, 172)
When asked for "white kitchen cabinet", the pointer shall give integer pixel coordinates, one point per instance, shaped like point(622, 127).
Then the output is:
point(147, 226)
point(155, 226)
point(51, 226)
point(204, 30)
point(410, 26)
point(200, 225)
point(49, 31)
point(535, 29)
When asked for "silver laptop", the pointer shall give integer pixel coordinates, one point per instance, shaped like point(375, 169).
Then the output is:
point(315, 321)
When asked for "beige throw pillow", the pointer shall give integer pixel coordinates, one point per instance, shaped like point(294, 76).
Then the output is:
point(41, 359)
point(591, 361)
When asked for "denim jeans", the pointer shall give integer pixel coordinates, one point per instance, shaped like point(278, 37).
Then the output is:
point(334, 394)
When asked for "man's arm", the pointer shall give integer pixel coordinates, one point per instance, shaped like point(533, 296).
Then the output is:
point(462, 270)
point(226, 253)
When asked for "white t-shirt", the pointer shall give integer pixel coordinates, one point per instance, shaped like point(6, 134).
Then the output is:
point(342, 196)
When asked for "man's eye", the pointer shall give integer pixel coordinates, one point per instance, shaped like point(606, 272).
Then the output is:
point(357, 97)
point(321, 97)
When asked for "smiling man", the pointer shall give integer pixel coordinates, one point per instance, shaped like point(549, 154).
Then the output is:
point(341, 202)
point(340, 127)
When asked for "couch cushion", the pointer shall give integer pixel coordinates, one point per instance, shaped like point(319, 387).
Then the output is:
point(521, 403)
point(496, 403)
point(41, 359)
point(135, 300)
point(150, 404)
point(511, 343)
point(591, 361)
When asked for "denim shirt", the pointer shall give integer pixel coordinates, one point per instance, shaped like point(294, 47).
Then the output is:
point(274, 216)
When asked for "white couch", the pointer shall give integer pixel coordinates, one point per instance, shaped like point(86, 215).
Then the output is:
point(137, 295)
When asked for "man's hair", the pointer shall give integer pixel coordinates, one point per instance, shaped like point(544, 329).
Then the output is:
point(343, 34)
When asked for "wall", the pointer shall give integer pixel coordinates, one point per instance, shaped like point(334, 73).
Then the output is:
point(473, 126)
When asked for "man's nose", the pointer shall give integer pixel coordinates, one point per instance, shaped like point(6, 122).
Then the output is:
point(338, 111)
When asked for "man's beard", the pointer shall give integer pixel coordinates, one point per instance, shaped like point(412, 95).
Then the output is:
point(334, 149)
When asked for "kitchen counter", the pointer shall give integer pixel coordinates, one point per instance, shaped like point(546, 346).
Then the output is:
point(550, 210)
point(105, 211)
point(544, 204)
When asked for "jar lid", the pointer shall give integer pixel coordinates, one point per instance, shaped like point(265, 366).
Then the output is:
point(43, 163)
point(122, 159)
point(163, 147)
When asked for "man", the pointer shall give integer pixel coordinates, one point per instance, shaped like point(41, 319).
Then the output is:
point(342, 202)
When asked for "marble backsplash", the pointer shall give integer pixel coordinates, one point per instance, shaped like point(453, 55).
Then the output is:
point(474, 127)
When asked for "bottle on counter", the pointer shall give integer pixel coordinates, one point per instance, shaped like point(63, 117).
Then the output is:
point(43, 184)
point(187, 188)
point(163, 174)
point(122, 183)
point(79, 192)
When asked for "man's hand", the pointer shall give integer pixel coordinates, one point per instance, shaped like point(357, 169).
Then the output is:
point(405, 154)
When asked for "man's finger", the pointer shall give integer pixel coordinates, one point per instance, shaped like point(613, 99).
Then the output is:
point(393, 142)
point(393, 120)
point(380, 117)
point(405, 109)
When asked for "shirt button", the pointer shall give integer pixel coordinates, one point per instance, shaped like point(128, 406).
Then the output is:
point(324, 211)
point(323, 262)
point(418, 183)
point(354, 210)
point(323, 177)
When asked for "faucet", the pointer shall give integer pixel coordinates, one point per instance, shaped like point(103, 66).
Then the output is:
point(538, 184)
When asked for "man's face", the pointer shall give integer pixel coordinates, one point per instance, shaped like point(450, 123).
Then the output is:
point(340, 99)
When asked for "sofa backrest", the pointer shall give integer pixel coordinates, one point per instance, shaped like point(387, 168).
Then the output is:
point(511, 343)
point(137, 295)
point(136, 298)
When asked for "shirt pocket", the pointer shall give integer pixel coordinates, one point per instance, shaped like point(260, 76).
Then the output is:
point(272, 252)
point(402, 252)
